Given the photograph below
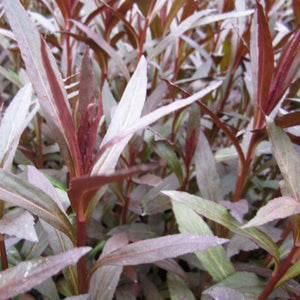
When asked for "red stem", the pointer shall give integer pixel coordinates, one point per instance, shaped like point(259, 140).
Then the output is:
point(280, 272)
point(4, 261)
point(81, 266)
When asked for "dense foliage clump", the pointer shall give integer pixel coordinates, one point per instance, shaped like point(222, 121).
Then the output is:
point(150, 149)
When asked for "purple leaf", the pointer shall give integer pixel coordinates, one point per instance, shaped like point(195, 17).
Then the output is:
point(46, 79)
point(278, 208)
point(27, 274)
point(19, 223)
point(11, 127)
point(237, 209)
point(27, 196)
point(151, 250)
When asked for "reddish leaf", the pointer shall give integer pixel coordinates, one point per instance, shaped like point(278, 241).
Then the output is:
point(262, 57)
point(48, 84)
point(28, 274)
point(82, 189)
point(286, 71)
point(278, 208)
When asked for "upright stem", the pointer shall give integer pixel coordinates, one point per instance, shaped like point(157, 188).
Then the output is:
point(81, 265)
point(290, 260)
point(4, 261)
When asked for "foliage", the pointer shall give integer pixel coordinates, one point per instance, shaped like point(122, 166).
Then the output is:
point(150, 149)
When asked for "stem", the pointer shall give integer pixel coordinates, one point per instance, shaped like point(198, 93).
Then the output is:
point(4, 261)
point(280, 272)
point(81, 265)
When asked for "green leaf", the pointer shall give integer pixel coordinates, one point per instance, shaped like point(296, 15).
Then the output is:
point(247, 284)
point(291, 273)
point(278, 208)
point(286, 158)
point(36, 271)
point(23, 194)
point(220, 215)
point(214, 259)
point(169, 155)
point(178, 288)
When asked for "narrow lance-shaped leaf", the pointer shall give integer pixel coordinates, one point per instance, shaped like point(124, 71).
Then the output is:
point(156, 249)
point(46, 80)
point(285, 72)
point(178, 288)
point(23, 194)
point(156, 115)
point(58, 241)
point(262, 57)
point(220, 215)
point(106, 278)
point(278, 208)
point(286, 158)
point(36, 271)
point(208, 179)
point(214, 259)
point(11, 127)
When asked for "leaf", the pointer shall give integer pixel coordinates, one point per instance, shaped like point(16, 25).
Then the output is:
point(214, 259)
point(237, 209)
point(245, 283)
point(169, 155)
point(82, 189)
point(46, 79)
point(226, 293)
point(157, 114)
point(178, 288)
point(27, 274)
point(106, 278)
point(127, 113)
point(150, 290)
point(285, 72)
point(208, 179)
point(291, 273)
point(11, 127)
point(278, 208)
point(151, 250)
point(285, 156)
point(220, 215)
point(262, 57)
point(102, 43)
point(19, 223)
point(25, 195)
point(59, 242)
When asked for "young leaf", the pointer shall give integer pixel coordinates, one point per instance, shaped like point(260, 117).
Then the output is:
point(262, 56)
point(127, 113)
point(214, 259)
point(278, 208)
point(11, 127)
point(208, 179)
point(19, 223)
point(220, 215)
point(23, 194)
point(285, 156)
point(178, 288)
point(46, 79)
point(36, 271)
